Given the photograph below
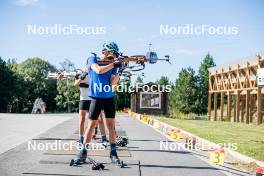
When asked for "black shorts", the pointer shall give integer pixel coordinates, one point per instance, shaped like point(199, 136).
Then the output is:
point(84, 105)
point(99, 104)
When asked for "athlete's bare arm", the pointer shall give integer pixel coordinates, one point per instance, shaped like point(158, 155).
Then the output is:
point(77, 82)
point(102, 69)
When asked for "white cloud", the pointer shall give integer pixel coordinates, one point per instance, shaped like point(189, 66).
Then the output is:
point(27, 2)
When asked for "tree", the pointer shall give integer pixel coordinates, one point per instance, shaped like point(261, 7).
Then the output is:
point(164, 80)
point(18, 101)
point(203, 84)
point(67, 97)
point(139, 80)
point(184, 92)
point(7, 80)
point(34, 72)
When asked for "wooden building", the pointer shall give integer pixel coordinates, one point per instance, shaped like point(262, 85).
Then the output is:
point(149, 102)
point(236, 90)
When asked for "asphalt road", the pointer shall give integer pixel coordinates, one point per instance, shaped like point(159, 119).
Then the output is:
point(142, 156)
point(18, 128)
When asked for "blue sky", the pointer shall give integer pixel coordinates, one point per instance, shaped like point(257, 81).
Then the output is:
point(132, 24)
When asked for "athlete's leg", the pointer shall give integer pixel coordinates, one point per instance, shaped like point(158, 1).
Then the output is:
point(94, 111)
point(109, 109)
point(95, 131)
point(83, 109)
point(89, 131)
point(100, 124)
point(102, 127)
point(110, 123)
point(82, 114)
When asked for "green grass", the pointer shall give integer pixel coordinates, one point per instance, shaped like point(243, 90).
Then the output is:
point(249, 138)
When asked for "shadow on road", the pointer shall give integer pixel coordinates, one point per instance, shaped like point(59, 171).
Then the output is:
point(179, 167)
point(163, 151)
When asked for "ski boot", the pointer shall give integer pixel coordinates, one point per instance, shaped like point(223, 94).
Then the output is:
point(114, 158)
point(80, 158)
point(104, 143)
point(80, 141)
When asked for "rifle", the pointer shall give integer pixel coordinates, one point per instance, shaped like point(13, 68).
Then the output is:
point(130, 64)
point(62, 74)
point(135, 62)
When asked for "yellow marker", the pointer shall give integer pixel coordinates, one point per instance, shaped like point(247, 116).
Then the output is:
point(217, 156)
point(175, 134)
point(145, 119)
point(142, 117)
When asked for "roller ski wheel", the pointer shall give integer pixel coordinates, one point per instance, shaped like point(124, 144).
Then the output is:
point(115, 160)
point(95, 165)
point(98, 166)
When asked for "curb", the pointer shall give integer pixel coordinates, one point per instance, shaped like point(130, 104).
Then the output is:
point(164, 128)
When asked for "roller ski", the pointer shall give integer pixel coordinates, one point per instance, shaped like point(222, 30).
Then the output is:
point(79, 159)
point(115, 160)
point(95, 165)
point(121, 141)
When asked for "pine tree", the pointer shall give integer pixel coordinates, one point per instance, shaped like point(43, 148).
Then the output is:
point(184, 92)
point(203, 84)
point(164, 80)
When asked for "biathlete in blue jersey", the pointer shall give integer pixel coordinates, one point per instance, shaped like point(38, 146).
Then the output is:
point(102, 98)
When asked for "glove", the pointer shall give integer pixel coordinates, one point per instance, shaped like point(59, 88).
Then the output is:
point(118, 64)
point(83, 75)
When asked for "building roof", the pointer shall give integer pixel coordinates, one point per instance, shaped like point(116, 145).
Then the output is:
point(252, 60)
